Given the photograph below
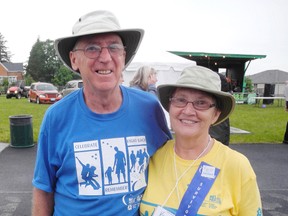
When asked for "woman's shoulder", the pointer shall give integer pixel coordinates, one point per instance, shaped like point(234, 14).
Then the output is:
point(163, 150)
point(234, 158)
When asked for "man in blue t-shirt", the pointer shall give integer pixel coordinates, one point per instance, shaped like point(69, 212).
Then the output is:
point(84, 164)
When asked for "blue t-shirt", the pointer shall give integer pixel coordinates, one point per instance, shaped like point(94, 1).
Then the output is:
point(96, 164)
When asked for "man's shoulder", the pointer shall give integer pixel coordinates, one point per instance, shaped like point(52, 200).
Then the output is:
point(137, 94)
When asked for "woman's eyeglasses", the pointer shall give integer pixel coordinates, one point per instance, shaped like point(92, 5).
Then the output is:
point(197, 104)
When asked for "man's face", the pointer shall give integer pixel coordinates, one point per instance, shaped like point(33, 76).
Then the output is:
point(100, 60)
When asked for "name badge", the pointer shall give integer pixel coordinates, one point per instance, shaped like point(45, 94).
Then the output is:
point(208, 171)
point(159, 211)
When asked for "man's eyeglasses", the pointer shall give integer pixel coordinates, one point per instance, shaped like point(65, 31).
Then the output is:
point(197, 104)
point(93, 51)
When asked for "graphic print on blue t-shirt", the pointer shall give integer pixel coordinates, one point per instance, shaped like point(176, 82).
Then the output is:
point(111, 166)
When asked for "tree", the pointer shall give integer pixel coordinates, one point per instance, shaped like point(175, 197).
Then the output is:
point(5, 84)
point(249, 85)
point(63, 75)
point(36, 61)
point(28, 80)
point(4, 53)
point(52, 62)
point(43, 62)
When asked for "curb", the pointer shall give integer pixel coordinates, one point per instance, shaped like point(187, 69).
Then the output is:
point(3, 146)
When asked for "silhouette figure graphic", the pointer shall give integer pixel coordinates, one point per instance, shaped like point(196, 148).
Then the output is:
point(133, 161)
point(119, 163)
point(88, 175)
point(143, 159)
point(108, 174)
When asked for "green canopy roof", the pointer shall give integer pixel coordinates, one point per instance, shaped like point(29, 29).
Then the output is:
point(220, 59)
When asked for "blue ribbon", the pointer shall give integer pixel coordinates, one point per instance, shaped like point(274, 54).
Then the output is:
point(197, 190)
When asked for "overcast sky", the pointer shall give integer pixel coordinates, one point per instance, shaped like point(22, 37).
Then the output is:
point(257, 27)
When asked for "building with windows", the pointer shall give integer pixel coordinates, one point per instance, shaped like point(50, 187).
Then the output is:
point(269, 83)
point(12, 71)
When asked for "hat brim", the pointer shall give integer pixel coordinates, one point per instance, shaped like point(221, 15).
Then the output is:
point(226, 100)
point(131, 39)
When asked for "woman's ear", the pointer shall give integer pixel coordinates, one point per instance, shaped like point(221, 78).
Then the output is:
point(216, 116)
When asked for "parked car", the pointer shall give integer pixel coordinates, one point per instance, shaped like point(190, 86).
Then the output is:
point(14, 91)
point(41, 92)
point(17, 90)
point(71, 86)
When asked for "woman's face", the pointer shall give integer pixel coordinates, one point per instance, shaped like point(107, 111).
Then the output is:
point(152, 78)
point(187, 121)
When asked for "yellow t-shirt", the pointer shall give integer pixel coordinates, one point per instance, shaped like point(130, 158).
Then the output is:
point(234, 192)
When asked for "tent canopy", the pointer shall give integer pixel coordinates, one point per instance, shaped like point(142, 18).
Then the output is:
point(235, 64)
point(217, 60)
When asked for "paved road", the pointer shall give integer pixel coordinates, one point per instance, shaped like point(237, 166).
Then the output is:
point(270, 163)
point(16, 171)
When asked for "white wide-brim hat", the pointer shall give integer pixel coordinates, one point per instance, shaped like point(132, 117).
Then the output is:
point(99, 22)
point(203, 79)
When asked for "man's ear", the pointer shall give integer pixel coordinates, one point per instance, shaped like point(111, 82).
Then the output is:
point(73, 61)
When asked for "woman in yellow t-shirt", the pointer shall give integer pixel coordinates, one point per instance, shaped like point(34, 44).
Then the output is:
point(195, 174)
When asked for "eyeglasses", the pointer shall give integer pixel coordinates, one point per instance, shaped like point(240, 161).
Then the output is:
point(197, 104)
point(93, 51)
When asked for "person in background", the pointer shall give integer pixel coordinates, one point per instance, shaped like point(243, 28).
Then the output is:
point(285, 140)
point(82, 135)
point(145, 79)
point(221, 131)
point(195, 174)
point(286, 94)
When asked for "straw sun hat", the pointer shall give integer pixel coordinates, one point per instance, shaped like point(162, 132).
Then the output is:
point(98, 22)
point(203, 79)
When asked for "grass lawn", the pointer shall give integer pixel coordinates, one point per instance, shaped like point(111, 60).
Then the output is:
point(266, 125)
point(12, 107)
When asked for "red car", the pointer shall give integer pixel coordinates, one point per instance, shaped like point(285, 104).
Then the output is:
point(14, 91)
point(43, 93)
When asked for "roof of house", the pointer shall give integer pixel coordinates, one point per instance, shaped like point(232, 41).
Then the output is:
point(269, 77)
point(13, 67)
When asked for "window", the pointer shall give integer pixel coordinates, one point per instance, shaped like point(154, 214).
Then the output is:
point(12, 79)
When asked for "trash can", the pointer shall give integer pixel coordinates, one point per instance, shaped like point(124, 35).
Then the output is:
point(21, 131)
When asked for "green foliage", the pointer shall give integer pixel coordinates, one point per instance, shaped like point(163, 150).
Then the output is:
point(248, 85)
point(44, 65)
point(4, 53)
point(52, 63)
point(43, 62)
point(36, 62)
point(63, 75)
point(28, 80)
point(5, 84)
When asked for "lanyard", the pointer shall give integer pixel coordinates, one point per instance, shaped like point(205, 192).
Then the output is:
point(178, 179)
